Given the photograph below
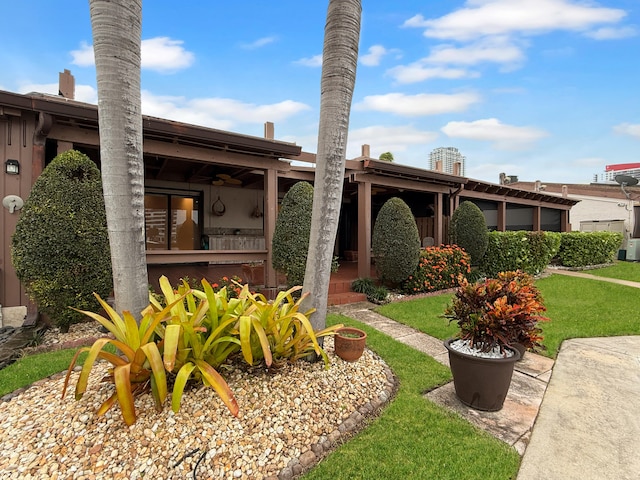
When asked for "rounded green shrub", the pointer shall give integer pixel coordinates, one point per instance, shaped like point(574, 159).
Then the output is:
point(396, 242)
point(468, 229)
point(291, 235)
point(60, 248)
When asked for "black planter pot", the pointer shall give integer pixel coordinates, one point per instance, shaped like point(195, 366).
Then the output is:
point(481, 383)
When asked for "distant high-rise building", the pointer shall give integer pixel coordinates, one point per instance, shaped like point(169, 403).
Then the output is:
point(447, 160)
point(610, 172)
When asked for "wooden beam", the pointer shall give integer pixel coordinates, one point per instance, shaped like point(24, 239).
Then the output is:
point(159, 257)
point(364, 229)
point(173, 150)
point(400, 183)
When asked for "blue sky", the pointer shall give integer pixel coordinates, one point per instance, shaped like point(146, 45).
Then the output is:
point(542, 89)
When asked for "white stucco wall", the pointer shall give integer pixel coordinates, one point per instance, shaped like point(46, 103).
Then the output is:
point(595, 208)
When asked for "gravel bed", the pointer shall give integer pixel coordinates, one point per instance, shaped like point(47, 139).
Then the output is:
point(464, 346)
point(289, 420)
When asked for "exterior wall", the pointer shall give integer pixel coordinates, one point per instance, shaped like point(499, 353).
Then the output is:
point(16, 142)
point(594, 208)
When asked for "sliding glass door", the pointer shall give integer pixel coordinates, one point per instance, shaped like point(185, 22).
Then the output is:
point(172, 221)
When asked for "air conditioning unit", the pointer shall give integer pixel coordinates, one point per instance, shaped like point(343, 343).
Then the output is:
point(633, 249)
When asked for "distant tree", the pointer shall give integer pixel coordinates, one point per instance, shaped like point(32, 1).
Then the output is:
point(116, 26)
point(387, 157)
point(60, 248)
point(339, 62)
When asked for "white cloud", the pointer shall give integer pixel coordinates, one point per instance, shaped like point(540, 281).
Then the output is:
point(222, 113)
point(417, 72)
point(372, 59)
point(492, 49)
point(83, 93)
point(597, 162)
point(387, 139)
point(506, 137)
point(628, 129)
point(315, 61)
point(259, 43)
point(83, 57)
point(50, 88)
point(480, 18)
point(161, 54)
point(418, 105)
point(609, 33)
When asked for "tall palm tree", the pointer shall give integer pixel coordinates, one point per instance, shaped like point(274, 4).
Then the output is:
point(339, 62)
point(117, 27)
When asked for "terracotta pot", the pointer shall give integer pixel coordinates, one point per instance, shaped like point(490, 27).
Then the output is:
point(349, 343)
point(481, 383)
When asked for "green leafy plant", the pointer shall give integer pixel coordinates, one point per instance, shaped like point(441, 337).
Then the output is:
point(579, 249)
point(283, 333)
point(139, 368)
point(530, 252)
point(498, 312)
point(439, 268)
point(291, 234)
point(468, 229)
point(363, 285)
point(395, 242)
point(60, 248)
point(380, 294)
point(197, 338)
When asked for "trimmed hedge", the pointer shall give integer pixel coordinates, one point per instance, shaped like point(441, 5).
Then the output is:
point(468, 230)
point(439, 268)
point(291, 235)
point(579, 249)
point(530, 252)
point(396, 242)
point(60, 248)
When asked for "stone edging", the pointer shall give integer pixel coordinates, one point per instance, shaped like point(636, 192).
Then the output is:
point(355, 423)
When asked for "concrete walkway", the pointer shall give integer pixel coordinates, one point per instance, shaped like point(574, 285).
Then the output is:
point(585, 408)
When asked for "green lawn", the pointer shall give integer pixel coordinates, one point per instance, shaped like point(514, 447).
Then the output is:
point(622, 270)
point(577, 308)
point(27, 370)
point(413, 437)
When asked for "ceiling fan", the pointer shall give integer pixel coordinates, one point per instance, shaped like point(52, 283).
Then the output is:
point(223, 178)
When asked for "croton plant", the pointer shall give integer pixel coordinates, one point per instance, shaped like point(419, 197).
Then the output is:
point(498, 312)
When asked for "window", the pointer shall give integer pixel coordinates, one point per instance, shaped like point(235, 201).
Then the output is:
point(172, 221)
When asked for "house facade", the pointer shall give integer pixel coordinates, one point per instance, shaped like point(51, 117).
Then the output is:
point(212, 197)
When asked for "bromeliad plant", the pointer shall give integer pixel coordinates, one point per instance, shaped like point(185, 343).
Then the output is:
point(277, 332)
point(196, 339)
point(191, 337)
point(498, 312)
point(139, 368)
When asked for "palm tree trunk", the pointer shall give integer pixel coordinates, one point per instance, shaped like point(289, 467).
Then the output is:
point(339, 62)
point(117, 26)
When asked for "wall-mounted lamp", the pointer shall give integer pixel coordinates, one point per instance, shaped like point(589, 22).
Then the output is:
point(12, 167)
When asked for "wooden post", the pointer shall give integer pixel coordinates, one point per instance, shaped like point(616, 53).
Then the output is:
point(364, 229)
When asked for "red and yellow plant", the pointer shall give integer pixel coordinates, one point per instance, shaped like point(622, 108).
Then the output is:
point(439, 268)
point(498, 312)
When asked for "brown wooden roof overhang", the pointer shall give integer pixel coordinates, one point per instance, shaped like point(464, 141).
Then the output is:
point(480, 189)
point(71, 111)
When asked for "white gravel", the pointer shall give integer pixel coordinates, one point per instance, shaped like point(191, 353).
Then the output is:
point(464, 346)
point(288, 420)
